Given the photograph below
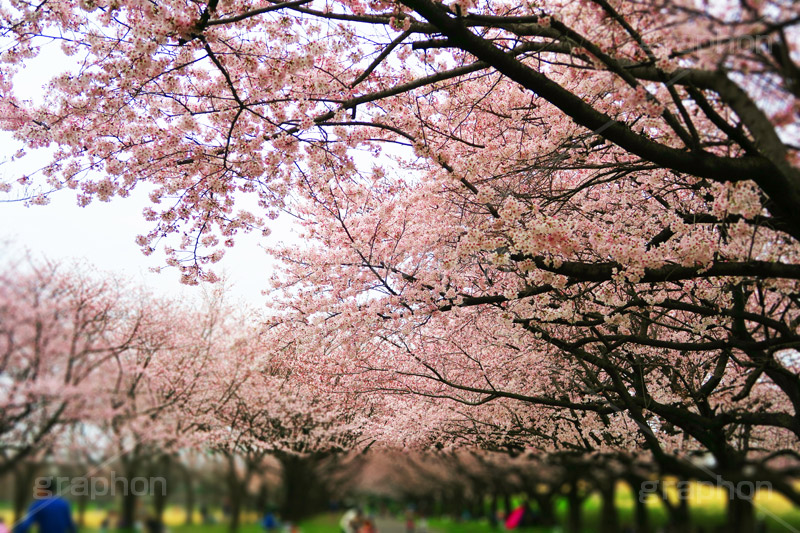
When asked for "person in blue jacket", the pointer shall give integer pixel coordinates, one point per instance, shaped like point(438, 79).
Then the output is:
point(270, 522)
point(50, 512)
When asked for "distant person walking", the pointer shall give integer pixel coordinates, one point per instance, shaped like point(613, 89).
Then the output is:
point(411, 521)
point(422, 523)
point(50, 512)
point(205, 515)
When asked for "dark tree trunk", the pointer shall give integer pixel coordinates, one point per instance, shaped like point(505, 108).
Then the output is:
point(236, 512)
point(678, 512)
point(235, 495)
point(83, 502)
point(741, 518)
point(547, 514)
point(300, 495)
point(81, 492)
point(641, 516)
point(24, 479)
point(477, 505)
point(131, 464)
point(507, 503)
point(160, 492)
point(188, 484)
point(574, 508)
point(294, 481)
point(458, 502)
point(128, 511)
point(442, 503)
point(450, 502)
point(262, 499)
point(609, 518)
point(683, 506)
point(493, 510)
point(303, 492)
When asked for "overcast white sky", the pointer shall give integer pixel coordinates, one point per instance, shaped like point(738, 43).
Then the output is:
point(104, 233)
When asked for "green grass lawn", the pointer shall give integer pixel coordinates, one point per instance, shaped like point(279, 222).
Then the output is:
point(327, 523)
point(215, 528)
point(706, 509)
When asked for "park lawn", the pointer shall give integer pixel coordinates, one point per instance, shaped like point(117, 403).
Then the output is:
point(446, 525)
point(215, 528)
point(326, 523)
point(707, 509)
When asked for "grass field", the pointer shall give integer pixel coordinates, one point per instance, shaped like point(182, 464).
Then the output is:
point(707, 508)
point(322, 524)
point(176, 518)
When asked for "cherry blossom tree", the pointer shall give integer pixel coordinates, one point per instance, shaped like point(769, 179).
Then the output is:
point(95, 373)
point(163, 391)
point(262, 410)
point(582, 207)
point(58, 327)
